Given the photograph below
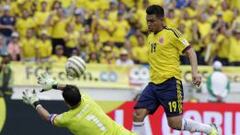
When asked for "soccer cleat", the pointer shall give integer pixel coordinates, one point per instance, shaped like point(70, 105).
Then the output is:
point(214, 130)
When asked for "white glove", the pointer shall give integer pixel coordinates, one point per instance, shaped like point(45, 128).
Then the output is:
point(46, 81)
point(30, 97)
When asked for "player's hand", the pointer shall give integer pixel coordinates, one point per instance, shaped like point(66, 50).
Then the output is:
point(30, 97)
point(46, 81)
point(196, 79)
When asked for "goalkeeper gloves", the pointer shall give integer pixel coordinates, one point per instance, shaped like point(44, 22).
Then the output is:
point(47, 82)
point(30, 98)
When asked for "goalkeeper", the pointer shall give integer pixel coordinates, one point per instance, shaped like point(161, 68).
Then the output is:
point(84, 117)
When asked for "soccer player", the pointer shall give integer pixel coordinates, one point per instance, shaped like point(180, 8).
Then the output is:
point(84, 117)
point(165, 45)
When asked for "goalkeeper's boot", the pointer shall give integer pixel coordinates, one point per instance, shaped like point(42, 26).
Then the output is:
point(214, 130)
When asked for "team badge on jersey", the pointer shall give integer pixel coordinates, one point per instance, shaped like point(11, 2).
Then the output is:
point(185, 42)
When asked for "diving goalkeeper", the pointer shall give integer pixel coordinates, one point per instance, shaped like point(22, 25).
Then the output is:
point(84, 117)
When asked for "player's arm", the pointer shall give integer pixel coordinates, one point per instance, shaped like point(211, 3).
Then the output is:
point(60, 86)
point(194, 65)
point(184, 47)
point(30, 98)
point(44, 114)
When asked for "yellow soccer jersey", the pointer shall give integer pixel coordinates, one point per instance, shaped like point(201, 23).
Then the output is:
point(41, 17)
point(228, 16)
point(140, 53)
point(95, 47)
point(66, 3)
point(113, 16)
point(58, 29)
point(158, 2)
point(141, 17)
point(92, 5)
point(58, 59)
point(122, 28)
point(164, 49)
point(235, 4)
point(234, 55)
point(223, 42)
point(78, 27)
point(104, 35)
point(72, 39)
point(23, 24)
point(133, 41)
point(89, 119)
point(28, 47)
point(104, 4)
point(204, 28)
point(129, 3)
point(172, 22)
point(14, 8)
point(44, 48)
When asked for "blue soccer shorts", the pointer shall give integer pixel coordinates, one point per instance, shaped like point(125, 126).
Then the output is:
point(168, 94)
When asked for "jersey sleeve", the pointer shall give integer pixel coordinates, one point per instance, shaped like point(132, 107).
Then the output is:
point(57, 120)
point(180, 42)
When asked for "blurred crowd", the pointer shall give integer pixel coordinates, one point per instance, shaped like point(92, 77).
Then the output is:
point(114, 31)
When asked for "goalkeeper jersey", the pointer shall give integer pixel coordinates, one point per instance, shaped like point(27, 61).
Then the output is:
point(88, 119)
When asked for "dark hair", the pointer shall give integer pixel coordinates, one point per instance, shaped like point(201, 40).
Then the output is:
point(155, 10)
point(71, 95)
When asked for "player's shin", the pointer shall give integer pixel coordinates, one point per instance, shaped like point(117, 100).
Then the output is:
point(138, 127)
point(194, 126)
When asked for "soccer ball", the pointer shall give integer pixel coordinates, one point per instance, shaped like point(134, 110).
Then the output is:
point(75, 66)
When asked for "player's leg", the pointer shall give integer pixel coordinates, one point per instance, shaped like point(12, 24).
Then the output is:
point(179, 123)
point(147, 104)
point(138, 121)
point(140, 114)
point(171, 99)
point(175, 122)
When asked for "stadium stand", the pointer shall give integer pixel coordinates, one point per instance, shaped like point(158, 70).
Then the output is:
point(93, 27)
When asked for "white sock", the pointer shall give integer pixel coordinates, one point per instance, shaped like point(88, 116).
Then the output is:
point(138, 127)
point(194, 126)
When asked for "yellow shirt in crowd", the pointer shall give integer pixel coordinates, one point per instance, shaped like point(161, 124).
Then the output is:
point(44, 48)
point(104, 35)
point(113, 16)
point(23, 24)
point(95, 47)
point(57, 59)
point(141, 16)
point(121, 31)
point(234, 56)
point(223, 49)
point(72, 39)
point(228, 16)
point(133, 41)
point(28, 47)
point(41, 17)
point(140, 53)
point(49, 4)
point(204, 28)
point(59, 27)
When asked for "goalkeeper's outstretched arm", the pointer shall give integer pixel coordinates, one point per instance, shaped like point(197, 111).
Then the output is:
point(59, 86)
point(31, 98)
point(43, 113)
